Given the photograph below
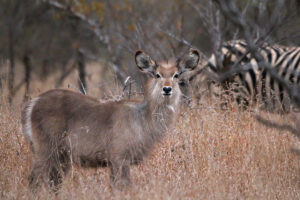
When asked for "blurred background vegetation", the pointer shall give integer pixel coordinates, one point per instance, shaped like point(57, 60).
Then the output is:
point(210, 154)
point(40, 38)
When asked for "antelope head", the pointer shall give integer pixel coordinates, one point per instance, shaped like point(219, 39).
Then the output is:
point(163, 84)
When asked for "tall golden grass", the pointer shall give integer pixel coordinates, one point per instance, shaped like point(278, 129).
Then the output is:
point(208, 154)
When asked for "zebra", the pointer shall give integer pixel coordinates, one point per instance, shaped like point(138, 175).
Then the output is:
point(255, 85)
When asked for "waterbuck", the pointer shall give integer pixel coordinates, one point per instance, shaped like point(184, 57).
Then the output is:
point(65, 127)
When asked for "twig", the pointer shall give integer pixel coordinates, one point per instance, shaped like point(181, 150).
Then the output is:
point(127, 83)
point(74, 87)
point(83, 91)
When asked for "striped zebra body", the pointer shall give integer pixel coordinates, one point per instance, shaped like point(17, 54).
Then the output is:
point(255, 85)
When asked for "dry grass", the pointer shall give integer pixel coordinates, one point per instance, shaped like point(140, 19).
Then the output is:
point(209, 154)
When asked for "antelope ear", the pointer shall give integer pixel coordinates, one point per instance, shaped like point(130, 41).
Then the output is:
point(189, 62)
point(145, 63)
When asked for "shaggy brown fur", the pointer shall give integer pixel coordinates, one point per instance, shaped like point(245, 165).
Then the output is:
point(64, 126)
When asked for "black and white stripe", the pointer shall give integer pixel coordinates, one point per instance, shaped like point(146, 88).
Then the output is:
point(256, 85)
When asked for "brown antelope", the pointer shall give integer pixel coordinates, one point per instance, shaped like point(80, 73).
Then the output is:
point(66, 127)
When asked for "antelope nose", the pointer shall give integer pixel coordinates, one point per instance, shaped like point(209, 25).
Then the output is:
point(167, 90)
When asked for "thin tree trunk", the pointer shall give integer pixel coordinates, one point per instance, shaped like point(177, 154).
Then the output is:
point(1, 77)
point(81, 72)
point(27, 65)
point(11, 75)
point(1, 87)
point(45, 66)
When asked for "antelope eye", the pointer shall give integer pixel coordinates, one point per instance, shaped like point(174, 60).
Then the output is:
point(158, 76)
point(176, 75)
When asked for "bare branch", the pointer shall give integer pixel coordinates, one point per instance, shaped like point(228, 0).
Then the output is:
point(283, 127)
point(178, 39)
point(183, 41)
point(232, 13)
point(94, 27)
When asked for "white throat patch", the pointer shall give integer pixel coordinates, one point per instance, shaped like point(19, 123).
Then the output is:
point(171, 108)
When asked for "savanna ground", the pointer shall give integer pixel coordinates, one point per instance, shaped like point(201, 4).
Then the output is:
point(208, 154)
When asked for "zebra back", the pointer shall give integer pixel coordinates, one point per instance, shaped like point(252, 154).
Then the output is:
point(256, 85)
